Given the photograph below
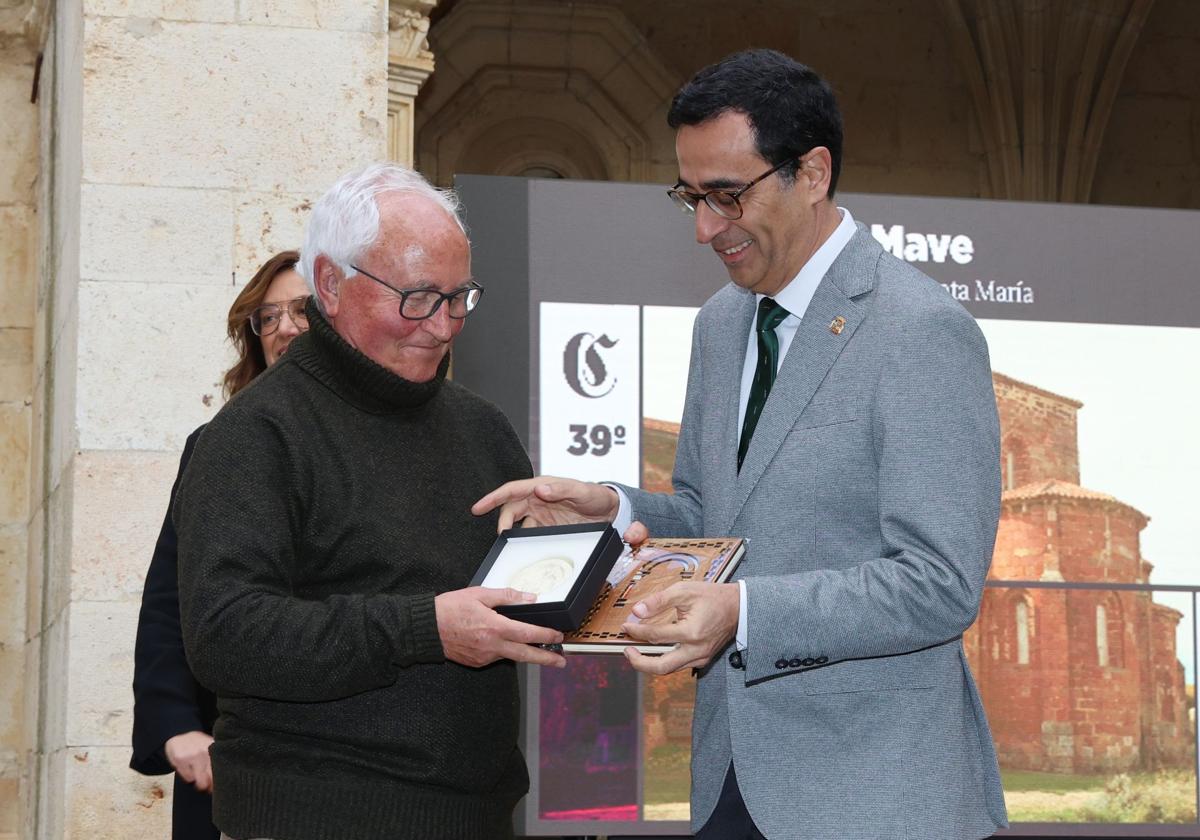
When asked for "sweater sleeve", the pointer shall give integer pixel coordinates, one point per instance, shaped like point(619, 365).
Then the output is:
point(166, 697)
point(246, 632)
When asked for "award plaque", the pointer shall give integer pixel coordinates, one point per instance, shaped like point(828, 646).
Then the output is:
point(637, 575)
point(565, 566)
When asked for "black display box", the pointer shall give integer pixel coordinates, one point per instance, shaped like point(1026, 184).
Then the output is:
point(565, 564)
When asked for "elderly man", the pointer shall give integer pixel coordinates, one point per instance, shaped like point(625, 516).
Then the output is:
point(325, 540)
point(840, 414)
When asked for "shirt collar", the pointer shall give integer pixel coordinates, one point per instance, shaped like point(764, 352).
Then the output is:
point(795, 296)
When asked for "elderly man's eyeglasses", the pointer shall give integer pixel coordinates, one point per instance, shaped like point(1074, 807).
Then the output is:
point(722, 202)
point(266, 319)
point(419, 304)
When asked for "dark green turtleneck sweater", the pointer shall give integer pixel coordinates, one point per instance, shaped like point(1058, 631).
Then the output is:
point(322, 510)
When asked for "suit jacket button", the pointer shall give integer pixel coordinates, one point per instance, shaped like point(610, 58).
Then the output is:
point(808, 663)
point(735, 660)
point(781, 664)
point(795, 663)
point(821, 660)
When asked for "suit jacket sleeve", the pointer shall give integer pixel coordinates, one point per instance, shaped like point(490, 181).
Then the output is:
point(167, 700)
point(936, 439)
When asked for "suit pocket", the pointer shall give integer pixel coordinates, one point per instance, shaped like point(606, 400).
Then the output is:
point(819, 414)
point(917, 670)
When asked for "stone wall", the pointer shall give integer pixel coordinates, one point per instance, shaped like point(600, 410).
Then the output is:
point(1040, 432)
point(1064, 692)
point(911, 124)
point(1150, 155)
point(18, 243)
point(183, 144)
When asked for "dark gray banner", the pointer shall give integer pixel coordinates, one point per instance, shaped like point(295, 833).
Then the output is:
point(591, 242)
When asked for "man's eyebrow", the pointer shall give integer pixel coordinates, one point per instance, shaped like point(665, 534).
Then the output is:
point(717, 184)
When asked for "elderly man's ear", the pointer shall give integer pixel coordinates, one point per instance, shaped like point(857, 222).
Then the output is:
point(328, 282)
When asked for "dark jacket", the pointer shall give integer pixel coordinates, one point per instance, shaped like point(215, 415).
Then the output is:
point(167, 699)
point(324, 509)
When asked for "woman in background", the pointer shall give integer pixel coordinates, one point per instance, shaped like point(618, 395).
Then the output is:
point(172, 713)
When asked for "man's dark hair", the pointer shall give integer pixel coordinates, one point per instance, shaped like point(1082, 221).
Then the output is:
point(790, 107)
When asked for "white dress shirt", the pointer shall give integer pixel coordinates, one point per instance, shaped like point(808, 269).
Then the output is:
point(794, 297)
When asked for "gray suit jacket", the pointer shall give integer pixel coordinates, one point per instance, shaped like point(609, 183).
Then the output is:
point(870, 495)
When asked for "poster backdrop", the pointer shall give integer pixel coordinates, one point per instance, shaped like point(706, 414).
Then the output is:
point(1085, 646)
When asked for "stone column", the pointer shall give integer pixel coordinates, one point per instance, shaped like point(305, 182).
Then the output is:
point(18, 260)
point(409, 64)
point(1043, 78)
point(177, 153)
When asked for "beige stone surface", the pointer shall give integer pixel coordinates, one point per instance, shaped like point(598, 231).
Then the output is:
point(9, 806)
point(56, 585)
point(258, 117)
point(52, 794)
point(16, 367)
point(12, 684)
point(99, 700)
point(18, 129)
point(37, 437)
point(31, 662)
point(211, 11)
point(317, 14)
point(14, 556)
point(168, 360)
point(62, 376)
point(54, 678)
point(120, 501)
point(27, 742)
point(267, 223)
point(14, 460)
point(18, 247)
point(34, 576)
point(155, 235)
point(109, 800)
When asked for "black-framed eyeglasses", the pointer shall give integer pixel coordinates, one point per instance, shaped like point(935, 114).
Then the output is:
point(266, 319)
point(722, 202)
point(419, 304)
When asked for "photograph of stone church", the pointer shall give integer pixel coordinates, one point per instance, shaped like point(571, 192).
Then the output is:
point(1074, 680)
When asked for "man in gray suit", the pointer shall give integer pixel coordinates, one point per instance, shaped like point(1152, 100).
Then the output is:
point(840, 415)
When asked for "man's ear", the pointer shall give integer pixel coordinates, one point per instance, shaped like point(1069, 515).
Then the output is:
point(815, 172)
point(328, 283)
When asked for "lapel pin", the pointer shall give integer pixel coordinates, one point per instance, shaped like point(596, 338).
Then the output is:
point(837, 325)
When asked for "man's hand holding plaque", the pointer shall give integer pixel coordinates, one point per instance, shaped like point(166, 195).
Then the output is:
point(699, 618)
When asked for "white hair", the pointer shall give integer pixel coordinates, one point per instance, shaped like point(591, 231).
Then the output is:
point(344, 223)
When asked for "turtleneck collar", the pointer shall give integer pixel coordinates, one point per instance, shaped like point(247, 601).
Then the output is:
point(353, 376)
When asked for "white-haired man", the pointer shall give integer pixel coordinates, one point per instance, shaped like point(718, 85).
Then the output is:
point(325, 540)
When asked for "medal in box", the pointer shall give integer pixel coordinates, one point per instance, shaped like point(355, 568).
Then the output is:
point(565, 566)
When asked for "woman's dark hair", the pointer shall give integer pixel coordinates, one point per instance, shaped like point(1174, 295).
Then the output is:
point(251, 361)
point(790, 107)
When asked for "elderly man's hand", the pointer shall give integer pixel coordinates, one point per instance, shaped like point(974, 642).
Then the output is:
point(188, 754)
point(474, 634)
point(547, 500)
point(700, 618)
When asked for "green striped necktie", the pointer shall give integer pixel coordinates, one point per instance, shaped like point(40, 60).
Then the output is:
point(770, 316)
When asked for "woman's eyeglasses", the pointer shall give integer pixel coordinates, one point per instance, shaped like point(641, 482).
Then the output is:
point(266, 319)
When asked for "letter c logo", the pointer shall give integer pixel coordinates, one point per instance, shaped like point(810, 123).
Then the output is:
point(584, 367)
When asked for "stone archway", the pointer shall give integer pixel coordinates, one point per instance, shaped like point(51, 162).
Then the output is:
point(572, 88)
